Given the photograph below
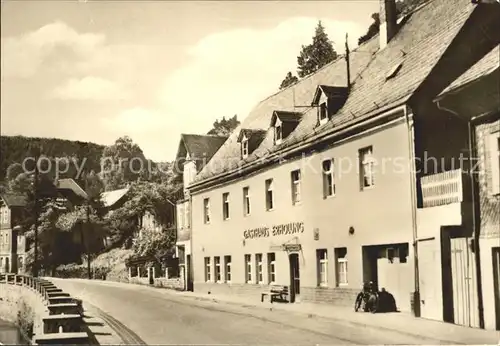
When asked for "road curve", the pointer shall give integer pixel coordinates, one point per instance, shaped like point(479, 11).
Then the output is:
point(159, 318)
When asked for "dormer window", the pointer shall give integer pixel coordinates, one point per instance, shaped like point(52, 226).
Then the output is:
point(278, 134)
point(323, 113)
point(328, 100)
point(249, 140)
point(244, 147)
point(284, 123)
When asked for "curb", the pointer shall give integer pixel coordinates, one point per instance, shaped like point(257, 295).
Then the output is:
point(311, 315)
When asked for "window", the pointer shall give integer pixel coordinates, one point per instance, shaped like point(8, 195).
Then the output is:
point(206, 210)
point(494, 149)
point(278, 131)
point(296, 186)
point(258, 268)
point(217, 269)
point(244, 147)
point(248, 268)
point(225, 205)
point(322, 258)
point(269, 194)
point(328, 182)
point(246, 201)
point(208, 271)
point(323, 114)
point(271, 268)
point(227, 268)
point(341, 258)
point(366, 167)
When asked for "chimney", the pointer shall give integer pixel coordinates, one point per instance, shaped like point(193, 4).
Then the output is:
point(388, 21)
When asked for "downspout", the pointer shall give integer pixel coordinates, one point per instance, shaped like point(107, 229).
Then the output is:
point(476, 226)
point(190, 242)
point(413, 189)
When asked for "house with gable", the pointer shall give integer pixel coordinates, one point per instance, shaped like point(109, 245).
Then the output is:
point(474, 99)
point(350, 176)
point(12, 242)
point(193, 153)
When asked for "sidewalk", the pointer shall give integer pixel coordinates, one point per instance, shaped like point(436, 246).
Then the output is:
point(403, 323)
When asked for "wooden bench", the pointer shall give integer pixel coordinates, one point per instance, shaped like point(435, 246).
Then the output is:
point(62, 324)
point(67, 309)
point(81, 338)
point(274, 292)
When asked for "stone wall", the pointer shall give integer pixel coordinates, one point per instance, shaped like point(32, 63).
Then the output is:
point(21, 306)
point(161, 282)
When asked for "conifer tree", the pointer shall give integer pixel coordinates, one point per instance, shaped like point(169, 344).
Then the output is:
point(316, 55)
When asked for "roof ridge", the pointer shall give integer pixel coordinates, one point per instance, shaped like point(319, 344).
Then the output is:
point(207, 135)
point(339, 58)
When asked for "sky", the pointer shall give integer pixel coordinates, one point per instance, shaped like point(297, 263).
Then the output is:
point(98, 70)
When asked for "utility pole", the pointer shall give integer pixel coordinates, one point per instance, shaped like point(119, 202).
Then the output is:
point(36, 212)
point(87, 228)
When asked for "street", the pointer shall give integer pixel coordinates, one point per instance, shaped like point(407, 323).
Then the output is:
point(158, 316)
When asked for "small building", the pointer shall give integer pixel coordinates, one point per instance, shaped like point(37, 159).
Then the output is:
point(193, 154)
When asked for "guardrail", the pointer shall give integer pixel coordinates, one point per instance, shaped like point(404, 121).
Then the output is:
point(62, 319)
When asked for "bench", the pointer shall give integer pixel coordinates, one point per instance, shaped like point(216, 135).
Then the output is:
point(67, 309)
point(81, 338)
point(274, 292)
point(62, 324)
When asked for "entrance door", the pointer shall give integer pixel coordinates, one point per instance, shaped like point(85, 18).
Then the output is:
point(294, 277)
point(496, 283)
point(189, 276)
point(151, 275)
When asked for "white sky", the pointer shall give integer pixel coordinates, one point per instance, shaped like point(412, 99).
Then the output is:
point(97, 70)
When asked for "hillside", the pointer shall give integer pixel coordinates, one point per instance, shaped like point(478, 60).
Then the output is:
point(14, 149)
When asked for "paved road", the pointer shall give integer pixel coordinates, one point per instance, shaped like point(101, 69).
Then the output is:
point(160, 317)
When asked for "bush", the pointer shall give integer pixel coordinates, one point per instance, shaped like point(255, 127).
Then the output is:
point(25, 319)
point(107, 266)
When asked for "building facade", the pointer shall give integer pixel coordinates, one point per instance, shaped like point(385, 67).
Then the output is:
point(326, 184)
point(193, 153)
point(12, 243)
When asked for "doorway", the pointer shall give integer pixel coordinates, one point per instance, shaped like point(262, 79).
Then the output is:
point(294, 277)
point(496, 283)
point(151, 275)
point(189, 270)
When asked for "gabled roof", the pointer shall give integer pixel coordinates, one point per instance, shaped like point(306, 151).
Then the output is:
point(14, 200)
point(420, 42)
point(284, 116)
point(70, 184)
point(487, 65)
point(249, 133)
point(109, 198)
point(329, 91)
point(199, 146)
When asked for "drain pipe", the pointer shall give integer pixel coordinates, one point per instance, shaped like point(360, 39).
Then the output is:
point(476, 224)
point(413, 189)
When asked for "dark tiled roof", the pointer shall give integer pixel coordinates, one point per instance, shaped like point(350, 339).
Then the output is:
point(251, 133)
point(70, 184)
point(287, 116)
point(14, 200)
point(420, 42)
point(200, 146)
point(483, 67)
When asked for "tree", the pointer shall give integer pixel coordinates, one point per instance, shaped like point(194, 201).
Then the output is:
point(316, 55)
point(289, 80)
point(122, 163)
point(154, 244)
point(402, 7)
point(224, 127)
point(158, 199)
point(373, 29)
